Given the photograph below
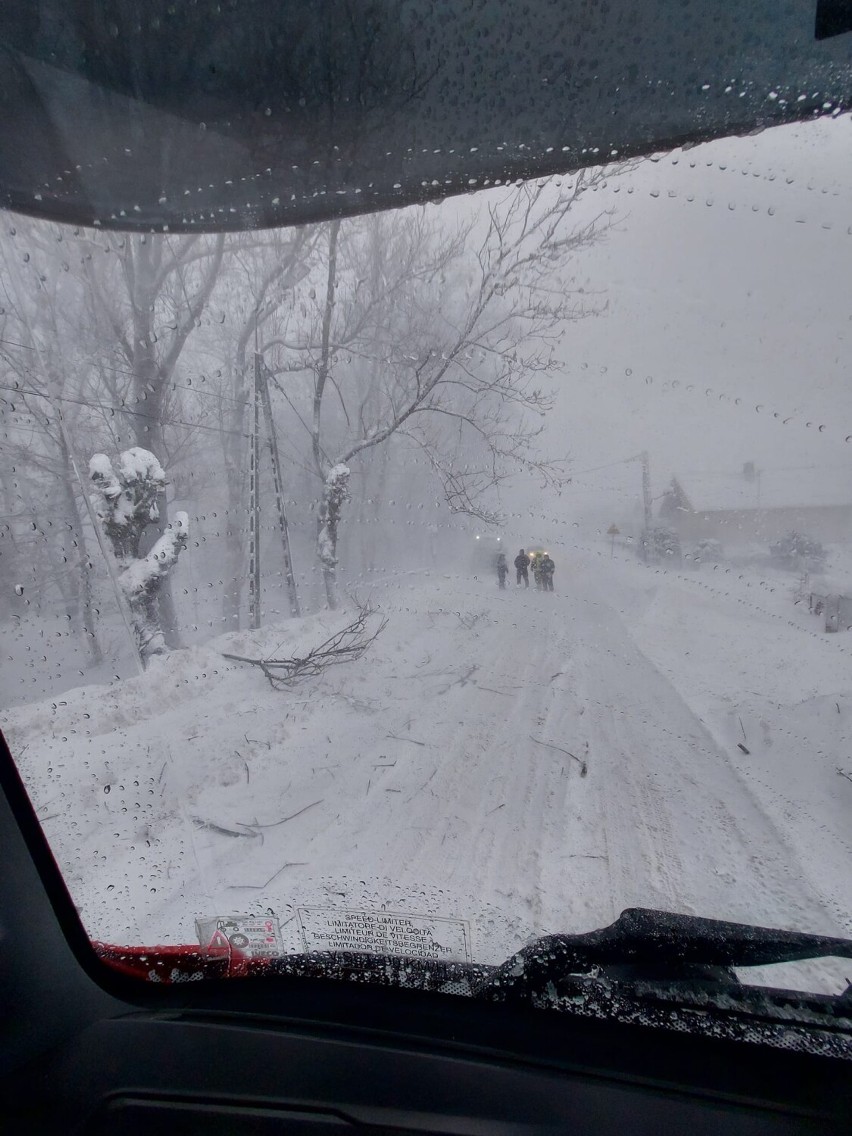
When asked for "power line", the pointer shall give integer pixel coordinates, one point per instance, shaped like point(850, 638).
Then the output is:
point(122, 371)
point(12, 343)
point(736, 473)
point(123, 410)
point(608, 465)
point(243, 403)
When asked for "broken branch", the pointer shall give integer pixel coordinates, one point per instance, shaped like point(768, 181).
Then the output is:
point(584, 769)
point(260, 887)
point(344, 646)
point(284, 820)
point(211, 827)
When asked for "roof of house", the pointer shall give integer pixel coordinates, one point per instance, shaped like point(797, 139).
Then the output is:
point(792, 488)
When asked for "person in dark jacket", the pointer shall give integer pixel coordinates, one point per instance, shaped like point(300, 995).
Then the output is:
point(547, 568)
point(502, 569)
point(522, 568)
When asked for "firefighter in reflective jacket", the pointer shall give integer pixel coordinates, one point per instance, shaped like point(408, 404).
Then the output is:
point(522, 568)
point(547, 568)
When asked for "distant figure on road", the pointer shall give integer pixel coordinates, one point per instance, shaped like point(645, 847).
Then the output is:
point(502, 569)
point(547, 568)
point(522, 568)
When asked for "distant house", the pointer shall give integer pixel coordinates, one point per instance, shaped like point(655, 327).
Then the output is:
point(760, 505)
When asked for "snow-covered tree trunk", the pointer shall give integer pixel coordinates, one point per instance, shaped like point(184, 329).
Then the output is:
point(150, 387)
point(142, 579)
point(335, 492)
point(126, 503)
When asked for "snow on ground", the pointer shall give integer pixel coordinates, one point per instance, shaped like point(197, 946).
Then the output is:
point(431, 776)
point(787, 702)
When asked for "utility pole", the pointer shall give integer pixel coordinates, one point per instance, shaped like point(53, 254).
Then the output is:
point(263, 405)
point(254, 506)
point(646, 487)
point(646, 481)
point(262, 372)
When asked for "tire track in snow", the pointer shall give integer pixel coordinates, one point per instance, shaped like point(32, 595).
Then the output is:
point(713, 850)
point(494, 819)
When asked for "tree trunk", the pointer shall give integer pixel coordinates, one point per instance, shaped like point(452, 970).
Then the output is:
point(235, 455)
point(83, 614)
point(335, 492)
point(165, 599)
point(149, 388)
point(142, 582)
point(149, 435)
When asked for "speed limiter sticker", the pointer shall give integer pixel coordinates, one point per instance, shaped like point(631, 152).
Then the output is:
point(385, 933)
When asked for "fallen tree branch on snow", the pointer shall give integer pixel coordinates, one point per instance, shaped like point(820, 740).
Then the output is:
point(344, 646)
point(274, 876)
point(209, 826)
point(254, 825)
point(584, 769)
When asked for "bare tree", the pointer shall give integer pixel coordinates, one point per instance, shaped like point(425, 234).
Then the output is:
point(101, 327)
point(444, 337)
point(146, 296)
point(41, 369)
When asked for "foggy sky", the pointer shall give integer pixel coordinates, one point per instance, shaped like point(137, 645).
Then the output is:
point(753, 304)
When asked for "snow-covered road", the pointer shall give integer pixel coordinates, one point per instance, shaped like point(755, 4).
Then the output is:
point(443, 772)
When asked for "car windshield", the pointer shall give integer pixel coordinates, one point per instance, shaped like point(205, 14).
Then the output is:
point(426, 582)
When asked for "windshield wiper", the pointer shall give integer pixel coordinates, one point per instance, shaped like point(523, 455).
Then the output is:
point(654, 946)
point(643, 952)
